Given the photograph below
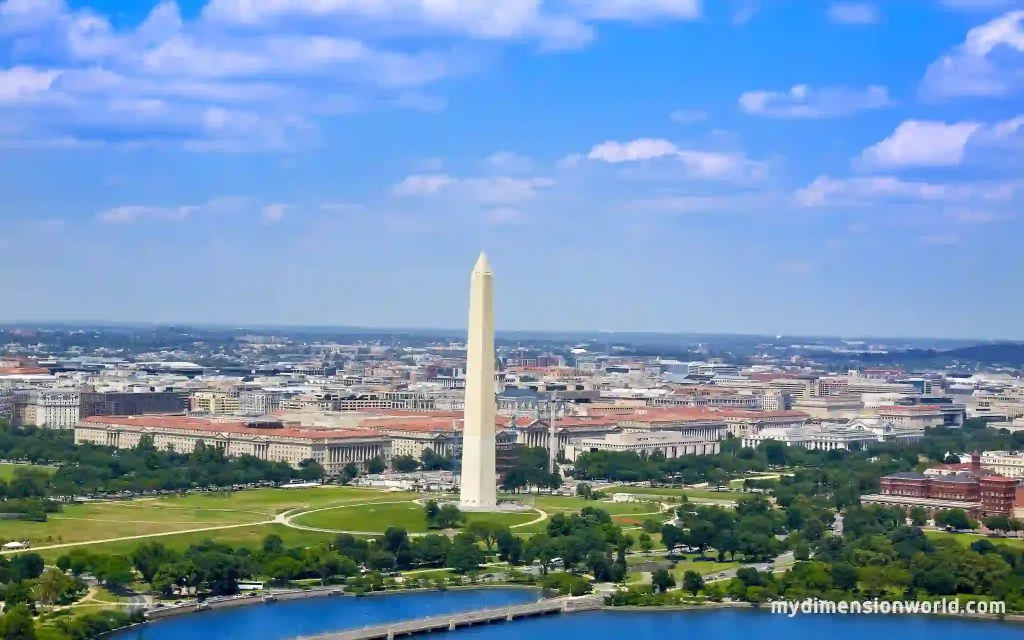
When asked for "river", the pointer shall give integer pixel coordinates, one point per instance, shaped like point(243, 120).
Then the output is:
point(286, 620)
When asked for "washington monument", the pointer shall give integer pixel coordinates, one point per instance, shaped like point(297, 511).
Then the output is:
point(479, 490)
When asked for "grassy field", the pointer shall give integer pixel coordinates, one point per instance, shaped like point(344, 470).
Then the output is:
point(275, 501)
point(967, 539)
point(702, 567)
point(249, 536)
point(626, 514)
point(407, 515)
point(703, 494)
point(7, 469)
point(105, 520)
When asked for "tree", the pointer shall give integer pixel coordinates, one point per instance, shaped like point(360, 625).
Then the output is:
point(918, 516)
point(801, 551)
point(405, 464)
point(693, 582)
point(348, 472)
point(646, 543)
point(18, 593)
point(448, 517)
point(114, 571)
point(328, 563)
point(955, 519)
point(510, 547)
point(700, 535)
point(311, 471)
point(51, 586)
point(486, 532)
point(845, 576)
point(671, 536)
point(148, 558)
point(464, 555)
point(272, 544)
point(998, 523)
point(375, 465)
point(25, 566)
point(584, 491)
point(17, 624)
point(662, 580)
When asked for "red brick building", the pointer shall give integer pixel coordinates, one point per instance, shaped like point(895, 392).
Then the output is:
point(998, 494)
point(978, 495)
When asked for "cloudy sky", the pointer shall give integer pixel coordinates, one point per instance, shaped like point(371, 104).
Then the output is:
point(772, 166)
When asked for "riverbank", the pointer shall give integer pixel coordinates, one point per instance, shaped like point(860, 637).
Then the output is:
point(285, 595)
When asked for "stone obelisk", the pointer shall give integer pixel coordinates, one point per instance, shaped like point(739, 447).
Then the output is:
point(479, 477)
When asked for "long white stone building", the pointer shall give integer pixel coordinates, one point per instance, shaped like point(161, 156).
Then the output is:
point(829, 436)
point(266, 440)
point(670, 444)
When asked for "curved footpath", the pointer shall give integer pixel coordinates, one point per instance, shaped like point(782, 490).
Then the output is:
point(287, 519)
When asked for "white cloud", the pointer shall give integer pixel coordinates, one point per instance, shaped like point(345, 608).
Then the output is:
point(571, 161)
point(990, 62)
point(291, 63)
point(744, 202)
point(275, 212)
point(422, 185)
point(556, 25)
point(25, 84)
point(831, 192)
point(489, 191)
point(504, 215)
point(853, 13)
point(688, 116)
point(924, 143)
point(697, 164)
point(509, 161)
point(803, 101)
point(638, 9)
point(130, 214)
point(920, 143)
point(641, 149)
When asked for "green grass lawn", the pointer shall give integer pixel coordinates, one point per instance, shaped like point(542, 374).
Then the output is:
point(702, 567)
point(626, 514)
point(7, 469)
point(704, 494)
point(250, 537)
point(407, 515)
point(274, 501)
point(100, 521)
point(967, 539)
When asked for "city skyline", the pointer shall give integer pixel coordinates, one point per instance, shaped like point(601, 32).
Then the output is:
point(833, 168)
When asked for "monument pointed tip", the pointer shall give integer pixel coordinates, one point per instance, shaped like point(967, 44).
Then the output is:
point(482, 265)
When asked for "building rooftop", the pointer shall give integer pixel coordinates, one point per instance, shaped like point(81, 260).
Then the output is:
point(237, 427)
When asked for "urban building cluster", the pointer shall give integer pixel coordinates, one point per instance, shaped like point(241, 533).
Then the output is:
point(287, 399)
point(982, 484)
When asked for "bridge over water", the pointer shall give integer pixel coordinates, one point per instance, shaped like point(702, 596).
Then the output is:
point(453, 621)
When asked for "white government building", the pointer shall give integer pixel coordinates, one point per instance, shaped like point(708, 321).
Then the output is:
point(829, 436)
point(671, 444)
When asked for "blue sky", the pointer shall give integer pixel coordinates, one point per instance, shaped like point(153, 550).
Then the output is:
point(772, 166)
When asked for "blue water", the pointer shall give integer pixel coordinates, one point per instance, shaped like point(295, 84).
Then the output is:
point(312, 616)
point(286, 620)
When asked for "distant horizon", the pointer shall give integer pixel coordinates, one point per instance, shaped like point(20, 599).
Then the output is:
point(445, 331)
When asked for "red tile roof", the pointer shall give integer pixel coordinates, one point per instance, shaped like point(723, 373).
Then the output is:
point(185, 423)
